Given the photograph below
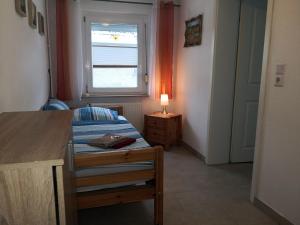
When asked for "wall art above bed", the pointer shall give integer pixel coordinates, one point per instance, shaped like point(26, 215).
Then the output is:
point(32, 17)
point(193, 32)
point(20, 6)
point(41, 24)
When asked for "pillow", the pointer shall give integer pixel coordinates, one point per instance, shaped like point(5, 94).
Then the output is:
point(94, 113)
point(55, 104)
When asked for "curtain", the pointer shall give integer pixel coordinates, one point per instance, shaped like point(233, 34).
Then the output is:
point(75, 51)
point(165, 47)
point(69, 59)
point(154, 53)
point(62, 51)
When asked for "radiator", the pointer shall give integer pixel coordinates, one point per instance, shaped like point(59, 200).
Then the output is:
point(132, 111)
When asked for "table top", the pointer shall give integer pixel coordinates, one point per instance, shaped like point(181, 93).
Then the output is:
point(34, 137)
point(161, 115)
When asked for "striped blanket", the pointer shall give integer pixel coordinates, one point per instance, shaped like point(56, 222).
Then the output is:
point(83, 131)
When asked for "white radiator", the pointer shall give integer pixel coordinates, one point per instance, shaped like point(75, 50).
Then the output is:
point(132, 111)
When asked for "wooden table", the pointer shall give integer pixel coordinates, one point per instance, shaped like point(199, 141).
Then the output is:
point(36, 168)
point(164, 129)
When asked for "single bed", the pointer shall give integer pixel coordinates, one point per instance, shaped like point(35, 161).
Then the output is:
point(108, 176)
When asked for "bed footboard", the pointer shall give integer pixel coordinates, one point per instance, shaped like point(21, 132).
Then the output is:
point(115, 157)
point(152, 190)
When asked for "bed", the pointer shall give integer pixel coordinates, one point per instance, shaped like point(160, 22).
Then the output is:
point(106, 177)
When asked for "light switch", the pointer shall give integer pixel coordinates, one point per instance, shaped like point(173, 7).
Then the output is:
point(280, 75)
point(281, 69)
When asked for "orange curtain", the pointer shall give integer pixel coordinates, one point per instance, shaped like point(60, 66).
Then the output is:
point(165, 47)
point(63, 73)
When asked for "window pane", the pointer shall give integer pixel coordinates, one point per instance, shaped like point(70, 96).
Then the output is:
point(114, 56)
point(115, 78)
point(115, 34)
point(114, 45)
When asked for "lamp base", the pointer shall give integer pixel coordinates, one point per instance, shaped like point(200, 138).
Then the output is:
point(164, 110)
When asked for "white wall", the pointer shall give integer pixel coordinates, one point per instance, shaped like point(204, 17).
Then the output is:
point(23, 61)
point(277, 176)
point(227, 32)
point(194, 74)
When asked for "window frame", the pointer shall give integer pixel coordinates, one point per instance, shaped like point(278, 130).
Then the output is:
point(143, 25)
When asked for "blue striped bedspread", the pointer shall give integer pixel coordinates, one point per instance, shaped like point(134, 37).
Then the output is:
point(85, 131)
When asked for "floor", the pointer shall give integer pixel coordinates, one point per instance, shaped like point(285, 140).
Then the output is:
point(195, 194)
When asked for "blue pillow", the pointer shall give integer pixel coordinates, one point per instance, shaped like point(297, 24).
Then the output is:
point(94, 113)
point(55, 104)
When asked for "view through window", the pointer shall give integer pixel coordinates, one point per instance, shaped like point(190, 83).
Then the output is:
point(114, 55)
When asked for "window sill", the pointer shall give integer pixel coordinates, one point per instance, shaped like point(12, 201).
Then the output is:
point(98, 95)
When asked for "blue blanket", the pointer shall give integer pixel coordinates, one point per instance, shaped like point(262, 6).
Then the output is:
point(84, 131)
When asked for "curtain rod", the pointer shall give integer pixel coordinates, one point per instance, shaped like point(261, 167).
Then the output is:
point(137, 3)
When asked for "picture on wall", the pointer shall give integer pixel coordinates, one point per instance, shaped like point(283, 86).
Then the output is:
point(32, 18)
point(193, 32)
point(41, 24)
point(20, 6)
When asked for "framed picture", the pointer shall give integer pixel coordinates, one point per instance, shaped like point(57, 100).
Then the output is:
point(193, 32)
point(32, 18)
point(20, 6)
point(41, 24)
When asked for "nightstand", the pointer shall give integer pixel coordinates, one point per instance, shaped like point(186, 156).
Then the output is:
point(163, 129)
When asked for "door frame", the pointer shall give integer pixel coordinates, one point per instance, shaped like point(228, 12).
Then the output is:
point(223, 81)
point(235, 98)
point(261, 106)
point(217, 117)
point(226, 35)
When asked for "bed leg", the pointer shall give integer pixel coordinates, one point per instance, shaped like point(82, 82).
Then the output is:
point(159, 179)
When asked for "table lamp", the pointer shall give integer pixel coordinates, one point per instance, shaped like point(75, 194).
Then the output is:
point(164, 102)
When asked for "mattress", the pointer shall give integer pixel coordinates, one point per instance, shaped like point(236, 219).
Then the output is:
point(84, 131)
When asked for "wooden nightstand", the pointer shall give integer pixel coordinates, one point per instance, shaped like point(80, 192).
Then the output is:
point(163, 129)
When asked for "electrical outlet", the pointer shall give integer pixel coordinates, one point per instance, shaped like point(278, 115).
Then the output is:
point(279, 81)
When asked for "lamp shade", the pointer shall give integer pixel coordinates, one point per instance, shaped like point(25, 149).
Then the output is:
point(164, 99)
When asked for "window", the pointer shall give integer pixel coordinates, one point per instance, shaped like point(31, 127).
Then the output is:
point(116, 55)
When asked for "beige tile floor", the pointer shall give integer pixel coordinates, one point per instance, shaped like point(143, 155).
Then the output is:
point(195, 194)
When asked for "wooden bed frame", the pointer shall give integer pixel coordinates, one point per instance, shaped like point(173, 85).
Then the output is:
point(152, 189)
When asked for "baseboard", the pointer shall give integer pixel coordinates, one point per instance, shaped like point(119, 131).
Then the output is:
point(193, 151)
point(270, 212)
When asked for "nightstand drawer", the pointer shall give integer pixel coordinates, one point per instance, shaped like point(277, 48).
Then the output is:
point(155, 136)
point(155, 132)
point(155, 122)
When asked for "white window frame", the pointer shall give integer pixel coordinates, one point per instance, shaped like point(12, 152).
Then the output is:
point(143, 25)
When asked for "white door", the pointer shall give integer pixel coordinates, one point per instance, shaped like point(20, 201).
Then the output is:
point(248, 76)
